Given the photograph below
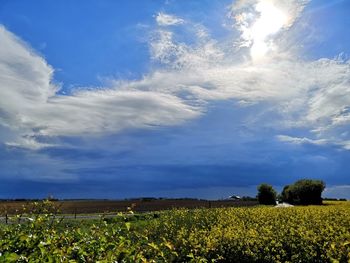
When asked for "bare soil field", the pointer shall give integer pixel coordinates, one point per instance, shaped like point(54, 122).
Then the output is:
point(110, 206)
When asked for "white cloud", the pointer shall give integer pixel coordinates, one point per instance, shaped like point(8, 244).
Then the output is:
point(297, 140)
point(345, 144)
point(25, 76)
point(28, 143)
point(164, 19)
point(107, 111)
point(332, 101)
point(305, 94)
point(176, 55)
point(30, 107)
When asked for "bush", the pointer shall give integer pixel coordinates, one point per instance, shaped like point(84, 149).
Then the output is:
point(304, 192)
point(266, 194)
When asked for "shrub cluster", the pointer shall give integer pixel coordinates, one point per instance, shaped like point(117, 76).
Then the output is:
point(304, 192)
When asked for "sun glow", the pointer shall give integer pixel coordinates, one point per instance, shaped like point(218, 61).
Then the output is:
point(271, 20)
point(267, 20)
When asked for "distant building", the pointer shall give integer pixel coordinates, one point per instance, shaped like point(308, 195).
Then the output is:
point(234, 197)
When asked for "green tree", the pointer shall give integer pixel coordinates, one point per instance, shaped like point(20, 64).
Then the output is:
point(285, 195)
point(266, 194)
point(304, 192)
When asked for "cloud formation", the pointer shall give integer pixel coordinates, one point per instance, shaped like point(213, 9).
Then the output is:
point(164, 19)
point(313, 95)
point(30, 107)
point(298, 93)
point(297, 140)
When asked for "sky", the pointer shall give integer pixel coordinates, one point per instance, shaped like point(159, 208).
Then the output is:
point(164, 98)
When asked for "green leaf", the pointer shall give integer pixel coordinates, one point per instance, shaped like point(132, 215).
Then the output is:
point(12, 257)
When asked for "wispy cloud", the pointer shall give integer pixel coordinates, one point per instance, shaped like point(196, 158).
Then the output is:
point(297, 140)
point(164, 19)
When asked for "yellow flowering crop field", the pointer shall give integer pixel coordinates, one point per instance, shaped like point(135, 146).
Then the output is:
point(247, 234)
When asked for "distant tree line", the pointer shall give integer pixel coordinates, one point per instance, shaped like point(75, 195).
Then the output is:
point(302, 192)
point(334, 199)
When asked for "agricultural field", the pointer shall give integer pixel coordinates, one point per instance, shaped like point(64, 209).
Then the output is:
point(111, 206)
point(236, 234)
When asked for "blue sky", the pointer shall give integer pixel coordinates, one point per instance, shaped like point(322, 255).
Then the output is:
point(119, 99)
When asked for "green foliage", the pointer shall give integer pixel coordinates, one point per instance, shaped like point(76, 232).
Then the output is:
point(258, 234)
point(304, 192)
point(266, 194)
